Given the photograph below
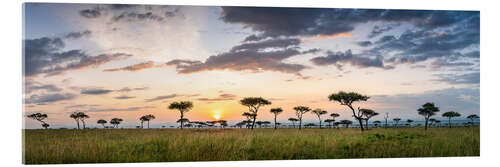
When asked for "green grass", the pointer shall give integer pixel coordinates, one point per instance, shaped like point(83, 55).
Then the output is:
point(163, 145)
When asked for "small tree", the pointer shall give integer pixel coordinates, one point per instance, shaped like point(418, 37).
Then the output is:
point(347, 99)
point(472, 117)
point(293, 120)
point(318, 112)
point(249, 118)
point(185, 120)
point(427, 110)
point(368, 113)
point(253, 104)
point(102, 122)
point(75, 116)
point(183, 107)
point(449, 115)
point(39, 117)
point(396, 121)
point(82, 117)
point(276, 112)
point(143, 119)
point(409, 121)
point(329, 121)
point(346, 123)
point(438, 123)
point(376, 123)
point(299, 111)
point(149, 117)
point(432, 121)
point(115, 122)
point(45, 125)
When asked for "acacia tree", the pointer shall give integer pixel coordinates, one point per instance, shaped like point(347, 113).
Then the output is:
point(396, 120)
point(185, 120)
point(183, 107)
point(472, 117)
point(293, 120)
point(432, 121)
point(39, 117)
point(276, 112)
point(451, 114)
point(347, 99)
point(409, 121)
point(318, 112)
point(143, 119)
point(299, 111)
point(249, 118)
point(45, 125)
point(368, 113)
point(102, 122)
point(75, 116)
point(253, 104)
point(345, 122)
point(149, 117)
point(82, 116)
point(329, 121)
point(115, 122)
point(377, 122)
point(427, 110)
point(438, 123)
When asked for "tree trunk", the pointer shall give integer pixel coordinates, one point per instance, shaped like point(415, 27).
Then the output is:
point(148, 124)
point(366, 122)
point(319, 122)
point(78, 124)
point(253, 122)
point(300, 123)
point(358, 118)
point(83, 122)
point(449, 122)
point(275, 127)
point(426, 120)
point(182, 120)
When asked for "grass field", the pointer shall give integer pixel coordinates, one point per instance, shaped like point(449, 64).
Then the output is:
point(163, 145)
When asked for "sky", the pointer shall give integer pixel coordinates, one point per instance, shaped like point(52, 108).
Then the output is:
point(125, 61)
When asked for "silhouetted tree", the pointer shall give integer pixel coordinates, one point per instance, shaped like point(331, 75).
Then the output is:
point(347, 99)
point(293, 120)
point(368, 113)
point(318, 112)
point(438, 123)
point(427, 110)
point(102, 122)
point(82, 116)
point(472, 117)
point(143, 119)
point(396, 120)
point(346, 123)
point(309, 125)
point(409, 121)
point(249, 118)
point(45, 125)
point(299, 111)
point(39, 117)
point(276, 112)
point(449, 115)
point(115, 122)
point(329, 121)
point(431, 121)
point(183, 107)
point(253, 104)
point(240, 124)
point(376, 123)
point(185, 120)
point(75, 116)
point(147, 118)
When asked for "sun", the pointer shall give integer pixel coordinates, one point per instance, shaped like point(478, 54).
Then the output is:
point(217, 117)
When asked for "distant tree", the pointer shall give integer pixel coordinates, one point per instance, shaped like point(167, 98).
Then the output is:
point(386, 117)
point(293, 120)
point(368, 114)
point(266, 123)
point(39, 117)
point(188, 125)
point(185, 120)
point(318, 112)
point(472, 117)
point(240, 124)
point(329, 121)
point(222, 123)
point(183, 107)
point(149, 117)
point(115, 122)
point(409, 121)
point(249, 118)
point(449, 115)
point(259, 123)
point(438, 123)
point(432, 121)
point(310, 125)
point(102, 122)
point(82, 116)
point(396, 121)
point(45, 125)
point(276, 112)
point(299, 111)
point(253, 104)
point(376, 123)
point(345, 122)
point(427, 110)
point(75, 116)
point(143, 119)
point(347, 99)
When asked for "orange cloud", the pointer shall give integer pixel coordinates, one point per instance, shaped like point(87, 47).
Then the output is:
point(325, 37)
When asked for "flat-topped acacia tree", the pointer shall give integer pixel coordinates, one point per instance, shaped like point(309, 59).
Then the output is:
point(449, 115)
point(299, 111)
point(249, 118)
point(276, 112)
point(428, 110)
point(253, 104)
point(368, 113)
point(293, 120)
point(472, 117)
point(346, 99)
point(102, 122)
point(115, 122)
point(39, 117)
point(318, 112)
point(396, 120)
point(183, 107)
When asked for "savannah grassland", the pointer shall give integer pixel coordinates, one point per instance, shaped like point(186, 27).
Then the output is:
point(164, 145)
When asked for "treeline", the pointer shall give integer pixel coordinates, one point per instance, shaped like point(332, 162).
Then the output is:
point(361, 115)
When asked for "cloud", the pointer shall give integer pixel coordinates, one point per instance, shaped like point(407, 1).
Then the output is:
point(275, 22)
point(127, 89)
point(133, 16)
point(81, 106)
point(267, 55)
point(127, 12)
point(97, 110)
point(341, 58)
point(161, 97)
point(33, 86)
point(46, 56)
point(467, 78)
point(79, 34)
point(379, 29)
point(90, 13)
point(123, 97)
point(95, 91)
point(134, 67)
point(221, 97)
point(48, 98)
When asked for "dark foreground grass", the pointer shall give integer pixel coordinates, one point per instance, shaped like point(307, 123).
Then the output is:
point(163, 145)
